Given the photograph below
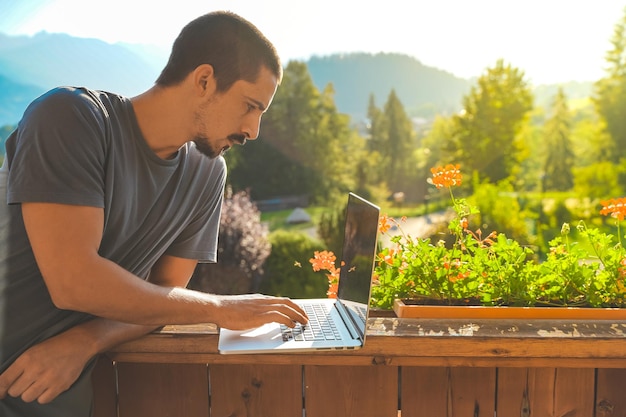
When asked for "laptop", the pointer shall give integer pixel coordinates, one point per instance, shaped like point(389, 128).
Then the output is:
point(344, 319)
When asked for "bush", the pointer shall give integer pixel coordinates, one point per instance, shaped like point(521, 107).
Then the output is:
point(288, 272)
point(499, 209)
point(243, 247)
point(331, 229)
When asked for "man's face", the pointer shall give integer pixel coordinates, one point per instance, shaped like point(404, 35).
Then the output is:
point(233, 116)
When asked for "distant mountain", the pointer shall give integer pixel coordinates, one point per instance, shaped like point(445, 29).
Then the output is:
point(49, 60)
point(31, 65)
point(14, 98)
point(156, 57)
point(574, 90)
point(423, 90)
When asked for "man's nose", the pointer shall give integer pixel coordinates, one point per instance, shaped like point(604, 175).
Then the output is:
point(252, 129)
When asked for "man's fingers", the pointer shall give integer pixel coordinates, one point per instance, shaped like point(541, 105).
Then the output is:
point(39, 389)
point(253, 310)
point(19, 387)
point(31, 393)
point(48, 395)
point(287, 315)
point(294, 311)
point(278, 317)
point(4, 386)
point(298, 309)
point(8, 380)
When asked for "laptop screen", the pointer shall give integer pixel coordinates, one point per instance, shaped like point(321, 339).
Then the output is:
point(359, 249)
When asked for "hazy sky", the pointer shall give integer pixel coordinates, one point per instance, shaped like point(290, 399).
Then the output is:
point(550, 40)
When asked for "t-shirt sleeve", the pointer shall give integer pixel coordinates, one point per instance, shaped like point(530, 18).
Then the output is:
point(57, 154)
point(199, 240)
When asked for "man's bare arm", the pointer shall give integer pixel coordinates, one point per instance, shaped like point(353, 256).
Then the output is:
point(49, 368)
point(102, 334)
point(65, 241)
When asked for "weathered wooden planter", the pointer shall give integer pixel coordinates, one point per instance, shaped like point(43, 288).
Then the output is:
point(407, 309)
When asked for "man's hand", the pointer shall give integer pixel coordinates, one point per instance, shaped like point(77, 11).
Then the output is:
point(45, 370)
point(241, 312)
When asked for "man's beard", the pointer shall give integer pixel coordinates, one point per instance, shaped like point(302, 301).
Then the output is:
point(205, 148)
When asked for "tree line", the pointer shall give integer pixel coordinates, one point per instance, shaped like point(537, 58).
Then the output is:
point(307, 147)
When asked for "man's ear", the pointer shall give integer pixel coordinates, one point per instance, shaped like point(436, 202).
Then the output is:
point(204, 79)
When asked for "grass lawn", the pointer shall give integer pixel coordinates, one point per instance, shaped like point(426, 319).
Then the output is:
point(277, 220)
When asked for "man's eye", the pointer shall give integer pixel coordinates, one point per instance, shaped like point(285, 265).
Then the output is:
point(250, 107)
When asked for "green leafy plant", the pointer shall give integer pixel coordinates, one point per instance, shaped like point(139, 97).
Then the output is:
point(280, 278)
point(494, 270)
point(497, 271)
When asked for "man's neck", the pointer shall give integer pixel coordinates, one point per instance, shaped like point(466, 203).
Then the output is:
point(160, 116)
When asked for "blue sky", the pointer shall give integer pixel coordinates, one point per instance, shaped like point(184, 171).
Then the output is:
point(550, 40)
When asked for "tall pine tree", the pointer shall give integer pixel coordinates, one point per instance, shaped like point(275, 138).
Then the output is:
point(393, 138)
point(610, 91)
point(559, 161)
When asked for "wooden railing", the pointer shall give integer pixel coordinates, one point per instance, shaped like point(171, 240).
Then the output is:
point(408, 367)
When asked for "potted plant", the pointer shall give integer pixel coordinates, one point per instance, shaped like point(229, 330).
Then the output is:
point(494, 276)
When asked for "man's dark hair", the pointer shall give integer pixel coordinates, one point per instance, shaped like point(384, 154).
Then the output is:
point(235, 48)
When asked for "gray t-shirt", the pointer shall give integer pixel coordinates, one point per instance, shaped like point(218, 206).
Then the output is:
point(83, 147)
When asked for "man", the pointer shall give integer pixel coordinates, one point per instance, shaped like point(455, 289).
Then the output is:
point(110, 204)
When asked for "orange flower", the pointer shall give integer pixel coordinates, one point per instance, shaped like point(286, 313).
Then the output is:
point(332, 290)
point(622, 269)
point(455, 263)
point(464, 223)
point(333, 282)
point(324, 260)
point(384, 223)
point(389, 258)
point(459, 276)
point(446, 176)
point(616, 207)
point(333, 275)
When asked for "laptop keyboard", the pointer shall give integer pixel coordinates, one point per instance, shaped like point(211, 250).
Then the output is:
point(320, 326)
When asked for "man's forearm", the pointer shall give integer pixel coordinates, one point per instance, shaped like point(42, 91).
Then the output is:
point(99, 335)
point(47, 369)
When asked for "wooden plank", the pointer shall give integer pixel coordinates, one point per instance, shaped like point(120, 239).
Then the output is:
point(517, 387)
point(163, 390)
point(364, 360)
point(200, 348)
point(255, 390)
point(500, 328)
point(424, 392)
point(347, 391)
point(448, 392)
point(610, 398)
point(546, 392)
point(488, 343)
point(104, 388)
